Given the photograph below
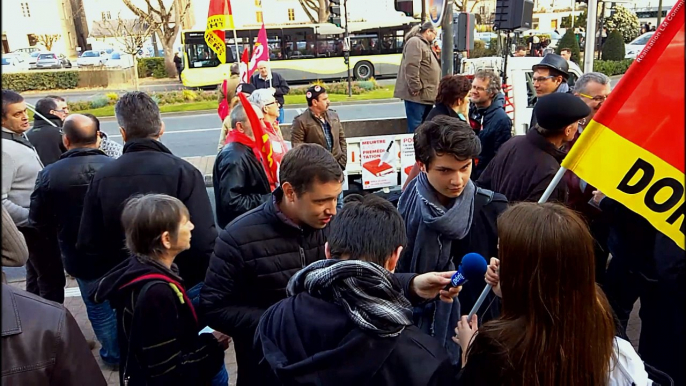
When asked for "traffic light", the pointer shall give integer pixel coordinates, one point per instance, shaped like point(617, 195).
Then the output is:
point(335, 12)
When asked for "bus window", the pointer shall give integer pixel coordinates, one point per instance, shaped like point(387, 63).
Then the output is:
point(364, 44)
point(274, 43)
point(329, 46)
point(200, 55)
point(304, 44)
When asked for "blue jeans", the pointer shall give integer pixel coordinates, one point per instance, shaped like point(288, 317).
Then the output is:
point(222, 377)
point(104, 322)
point(282, 115)
point(416, 113)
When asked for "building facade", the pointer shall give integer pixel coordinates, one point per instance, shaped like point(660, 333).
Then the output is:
point(27, 23)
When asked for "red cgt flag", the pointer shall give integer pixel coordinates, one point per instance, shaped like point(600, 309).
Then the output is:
point(219, 19)
point(243, 67)
point(633, 149)
point(262, 140)
point(260, 51)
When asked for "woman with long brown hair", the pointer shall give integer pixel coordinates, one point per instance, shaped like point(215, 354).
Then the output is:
point(556, 326)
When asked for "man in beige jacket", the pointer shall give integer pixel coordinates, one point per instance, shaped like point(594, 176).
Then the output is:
point(419, 74)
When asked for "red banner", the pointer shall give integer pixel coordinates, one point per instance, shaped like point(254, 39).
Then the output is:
point(262, 140)
point(260, 51)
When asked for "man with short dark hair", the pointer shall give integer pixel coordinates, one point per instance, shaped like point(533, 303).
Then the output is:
point(56, 208)
point(566, 53)
point(257, 253)
point(146, 166)
point(363, 248)
point(487, 112)
point(239, 179)
point(446, 217)
point(520, 51)
point(46, 134)
point(525, 165)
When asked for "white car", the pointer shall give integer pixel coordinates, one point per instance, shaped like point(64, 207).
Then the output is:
point(33, 58)
point(635, 47)
point(91, 59)
point(14, 63)
point(119, 60)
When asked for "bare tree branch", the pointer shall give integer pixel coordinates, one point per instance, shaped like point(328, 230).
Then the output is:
point(48, 40)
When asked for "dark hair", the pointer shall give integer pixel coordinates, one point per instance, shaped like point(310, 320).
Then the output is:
point(57, 98)
point(566, 49)
point(80, 135)
point(10, 97)
point(95, 120)
point(445, 135)
point(367, 228)
point(314, 94)
point(306, 164)
point(520, 48)
point(146, 217)
point(138, 114)
point(452, 88)
point(427, 25)
point(44, 105)
point(550, 299)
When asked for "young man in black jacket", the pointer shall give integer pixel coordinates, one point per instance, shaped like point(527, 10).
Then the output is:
point(240, 182)
point(257, 253)
point(56, 208)
point(351, 304)
point(46, 135)
point(146, 166)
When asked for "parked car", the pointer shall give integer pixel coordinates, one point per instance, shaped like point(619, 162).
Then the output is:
point(14, 63)
point(90, 59)
point(119, 60)
point(33, 58)
point(27, 50)
point(633, 48)
point(52, 60)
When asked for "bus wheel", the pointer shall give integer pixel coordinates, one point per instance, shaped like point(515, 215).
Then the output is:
point(363, 70)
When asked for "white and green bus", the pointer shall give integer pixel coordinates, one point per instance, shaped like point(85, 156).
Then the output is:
point(302, 53)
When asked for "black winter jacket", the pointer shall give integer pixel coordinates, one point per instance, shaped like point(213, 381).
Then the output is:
point(146, 166)
point(47, 139)
point(57, 201)
point(163, 330)
point(240, 182)
point(496, 129)
point(277, 81)
point(523, 169)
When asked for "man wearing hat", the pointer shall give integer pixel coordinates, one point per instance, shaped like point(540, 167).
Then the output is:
point(322, 126)
point(524, 166)
point(550, 76)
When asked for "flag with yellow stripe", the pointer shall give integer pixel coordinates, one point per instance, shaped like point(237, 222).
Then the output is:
point(219, 19)
point(633, 149)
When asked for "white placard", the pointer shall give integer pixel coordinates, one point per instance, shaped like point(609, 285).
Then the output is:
point(379, 156)
point(407, 159)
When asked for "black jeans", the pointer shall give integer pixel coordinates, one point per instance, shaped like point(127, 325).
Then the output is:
point(44, 269)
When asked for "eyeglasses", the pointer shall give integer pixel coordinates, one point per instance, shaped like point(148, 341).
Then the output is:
point(542, 78)
point(597, 99)
point(271, 103)
point(477, 88)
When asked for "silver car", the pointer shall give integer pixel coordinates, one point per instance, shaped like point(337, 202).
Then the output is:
point(48, 60)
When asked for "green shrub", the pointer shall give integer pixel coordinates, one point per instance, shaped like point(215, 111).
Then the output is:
point(479, 50)
point(569, 41)
point(100, 101)
point(189, 95)
point(148, 67)
point(79, 106)
point(613, 49)
point(366, 85)
point(113, 97)
point(612, 67)
point(40, 80)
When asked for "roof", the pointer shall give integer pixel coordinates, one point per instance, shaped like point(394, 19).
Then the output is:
point(110, 28)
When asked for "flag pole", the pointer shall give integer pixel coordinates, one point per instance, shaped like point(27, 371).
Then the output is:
point(553, 184)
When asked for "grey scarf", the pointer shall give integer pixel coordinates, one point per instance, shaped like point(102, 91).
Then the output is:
point(368, 293)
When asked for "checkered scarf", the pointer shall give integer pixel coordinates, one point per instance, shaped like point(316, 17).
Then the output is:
point(368, 293)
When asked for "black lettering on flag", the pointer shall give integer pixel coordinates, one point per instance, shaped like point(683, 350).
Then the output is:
point(648, 173)
point(677, 193)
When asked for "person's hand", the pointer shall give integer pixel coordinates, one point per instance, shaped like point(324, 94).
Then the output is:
point(493, 276)
point(432, 284)
point(598, 196)
point(224, 340)
point(464, 332)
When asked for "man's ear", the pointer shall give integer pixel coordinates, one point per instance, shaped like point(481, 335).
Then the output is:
point(392, 261)
point(327, 251)
point(161, 130)
point(288, 191)
point(422, 166)
point(123, 134)
point(166, 239)
point(65, 142)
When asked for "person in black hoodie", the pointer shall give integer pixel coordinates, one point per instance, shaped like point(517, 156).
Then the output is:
point(239, 179)
point(55, 211)
point(146, 166)
point(156, 321)
point(46, 134)
point(351, 304)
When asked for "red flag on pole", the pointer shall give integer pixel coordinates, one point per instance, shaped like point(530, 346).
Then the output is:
point(260, 51)
point(219, 18)
point(262, 140)
point(633, 149)
point(243, 67)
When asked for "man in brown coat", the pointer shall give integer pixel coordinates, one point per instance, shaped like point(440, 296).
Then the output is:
point(419, 74)
point(321, 126)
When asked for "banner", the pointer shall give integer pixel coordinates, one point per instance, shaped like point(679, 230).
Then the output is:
point(243, 67)
point(407, 158)
point(633, 149)
point(260, 51)
point(219, 19)
point(379, 156)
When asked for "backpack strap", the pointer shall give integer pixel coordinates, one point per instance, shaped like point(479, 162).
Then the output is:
point(484, 196)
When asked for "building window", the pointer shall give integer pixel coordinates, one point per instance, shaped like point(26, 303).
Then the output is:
point(32, 40)
point(106, 15)
point(258, 3)
point(258, 16)
point(291, 14)
point(25, 10)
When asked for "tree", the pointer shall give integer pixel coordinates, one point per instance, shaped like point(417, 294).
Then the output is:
point(168, 25)
point(625, 21)
point(569, 41)
point(579, 21)
point(613, 49)
point(48, 40)
point(320, 8)
point(131, 34)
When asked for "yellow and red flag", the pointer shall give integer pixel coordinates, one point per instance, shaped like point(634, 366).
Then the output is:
point(262, 140)
point(219, 19)
point(633, 149)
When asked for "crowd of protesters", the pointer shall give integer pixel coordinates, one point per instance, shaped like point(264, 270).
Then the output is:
point(315, 289)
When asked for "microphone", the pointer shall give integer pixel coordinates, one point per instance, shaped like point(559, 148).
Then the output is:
point(472, 267)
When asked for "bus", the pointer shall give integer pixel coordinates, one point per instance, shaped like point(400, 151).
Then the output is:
point(301, 53)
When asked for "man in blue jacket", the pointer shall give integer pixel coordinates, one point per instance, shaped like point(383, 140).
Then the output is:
point(487, 116)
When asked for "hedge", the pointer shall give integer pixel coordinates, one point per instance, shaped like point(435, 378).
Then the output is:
point(613, 49)
point(40, 80)
point(612, 67)
point(154, 67)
